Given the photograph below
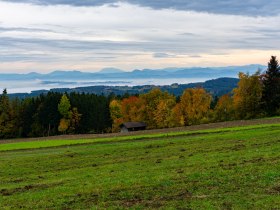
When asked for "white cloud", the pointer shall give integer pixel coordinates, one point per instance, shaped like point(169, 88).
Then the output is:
point(40, 37)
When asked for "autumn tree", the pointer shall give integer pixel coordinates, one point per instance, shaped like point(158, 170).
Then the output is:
point(163, 112)
point(132, 109)
point(116, 114)
point(224, 109)
point(70, 118)
point(158, 106)
point(177, 116)
point(195, 105)
point(247, 96)
point(74, 120)
point(271, 90)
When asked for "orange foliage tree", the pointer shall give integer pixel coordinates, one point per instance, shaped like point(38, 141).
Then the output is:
point(132, 109)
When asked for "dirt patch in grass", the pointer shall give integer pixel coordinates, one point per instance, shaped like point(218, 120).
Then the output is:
point(26, 188)
point(274, 190)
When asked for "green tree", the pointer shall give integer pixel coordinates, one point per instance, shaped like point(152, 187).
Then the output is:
point(64, 106)
point(271, 90)
point(10, 117)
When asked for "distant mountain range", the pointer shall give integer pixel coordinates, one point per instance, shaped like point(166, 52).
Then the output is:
point(117, 74)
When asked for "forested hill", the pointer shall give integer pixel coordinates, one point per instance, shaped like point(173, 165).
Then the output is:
point(216, 87)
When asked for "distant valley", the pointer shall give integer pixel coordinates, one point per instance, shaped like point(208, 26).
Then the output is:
point(216, 87)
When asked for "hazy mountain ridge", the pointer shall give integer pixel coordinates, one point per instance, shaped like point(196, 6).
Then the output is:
point(113, 73)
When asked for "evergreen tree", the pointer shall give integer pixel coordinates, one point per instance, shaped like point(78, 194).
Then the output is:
point(271, 91)
point(6, 125)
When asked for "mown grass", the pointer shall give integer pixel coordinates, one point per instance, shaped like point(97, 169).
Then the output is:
point(232, 168)
point(57, 143)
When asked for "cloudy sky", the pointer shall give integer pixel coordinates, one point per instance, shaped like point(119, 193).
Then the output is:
point(88, 35)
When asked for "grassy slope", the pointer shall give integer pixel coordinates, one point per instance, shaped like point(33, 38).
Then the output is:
point(64, 142)
point(239, 169)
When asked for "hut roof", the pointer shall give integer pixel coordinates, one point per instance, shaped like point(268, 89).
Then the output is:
point(134, 124)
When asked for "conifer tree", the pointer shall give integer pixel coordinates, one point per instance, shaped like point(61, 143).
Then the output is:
point(271, 91)
point(6, 125)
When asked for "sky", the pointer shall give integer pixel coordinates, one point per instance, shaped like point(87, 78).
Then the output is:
point(88, 35)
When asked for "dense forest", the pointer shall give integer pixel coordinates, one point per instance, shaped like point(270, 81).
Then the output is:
point(54, 113)
point(41, 116)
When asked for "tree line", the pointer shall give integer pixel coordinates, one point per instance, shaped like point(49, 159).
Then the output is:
point(257, 95)
point(53, 114)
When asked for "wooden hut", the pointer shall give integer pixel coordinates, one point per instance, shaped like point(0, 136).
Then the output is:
point(132, 126)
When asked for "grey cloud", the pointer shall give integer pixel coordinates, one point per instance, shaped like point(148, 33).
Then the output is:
point(25, 58)
point(21, 49)
point(187, 34)
point(6, 29)
point(163, 55)
point(235, 7)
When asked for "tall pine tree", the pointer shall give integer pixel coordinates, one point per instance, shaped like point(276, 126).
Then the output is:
point(6, 125)
point(271, 91)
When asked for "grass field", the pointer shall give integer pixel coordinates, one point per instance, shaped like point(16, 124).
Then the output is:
point(226, 168)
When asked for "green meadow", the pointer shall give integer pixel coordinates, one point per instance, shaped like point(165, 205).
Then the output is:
point(229, 168)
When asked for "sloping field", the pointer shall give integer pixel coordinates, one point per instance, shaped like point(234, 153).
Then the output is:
point(225, 168)
point(228, 124)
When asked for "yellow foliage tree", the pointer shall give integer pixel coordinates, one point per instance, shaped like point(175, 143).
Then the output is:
point(247, 96)
point(156, 104)
point(177, 116)
point(195, 105)
point(224, 110)
point(116, 114)
point(163, 112)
